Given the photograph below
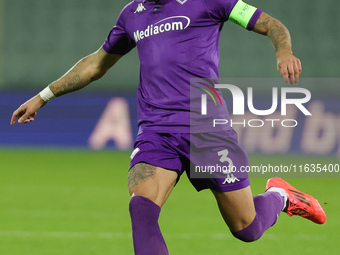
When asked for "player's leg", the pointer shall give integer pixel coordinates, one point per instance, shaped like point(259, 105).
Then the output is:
point(149, 187)
point(151, 182)
point(237, 207)
point(249, 217)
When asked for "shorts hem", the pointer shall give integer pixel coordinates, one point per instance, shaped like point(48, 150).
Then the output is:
point(155, 165)
point(227, 188)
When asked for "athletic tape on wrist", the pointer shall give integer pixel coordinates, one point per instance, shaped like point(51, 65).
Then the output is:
point(47, 94)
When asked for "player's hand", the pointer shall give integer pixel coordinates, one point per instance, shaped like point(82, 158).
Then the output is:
point(289, 66)
point(27, 111)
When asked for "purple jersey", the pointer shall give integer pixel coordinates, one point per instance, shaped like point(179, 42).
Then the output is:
point(176, 40)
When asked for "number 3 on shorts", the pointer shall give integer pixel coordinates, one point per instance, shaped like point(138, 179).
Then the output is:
point(224, 158)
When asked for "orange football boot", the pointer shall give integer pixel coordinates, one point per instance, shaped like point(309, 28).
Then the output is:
point(299, 203)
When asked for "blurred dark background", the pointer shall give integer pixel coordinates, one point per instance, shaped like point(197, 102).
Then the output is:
point(41, 39)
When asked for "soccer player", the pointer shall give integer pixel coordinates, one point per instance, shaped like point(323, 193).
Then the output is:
point(178, 40)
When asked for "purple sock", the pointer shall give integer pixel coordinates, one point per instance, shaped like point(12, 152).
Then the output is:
point(268, 207)
point(147, 236)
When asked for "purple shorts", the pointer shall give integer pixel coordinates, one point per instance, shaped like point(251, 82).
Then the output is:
point(211, 160)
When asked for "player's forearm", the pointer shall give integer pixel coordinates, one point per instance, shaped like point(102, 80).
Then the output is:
point(79, 76)
point(280, 36)
point(276, 32)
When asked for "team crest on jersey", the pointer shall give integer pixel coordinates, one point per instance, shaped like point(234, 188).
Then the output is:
point(182, 1)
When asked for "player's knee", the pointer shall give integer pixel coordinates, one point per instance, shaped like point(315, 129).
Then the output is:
point(251, 233)
point(247, 236)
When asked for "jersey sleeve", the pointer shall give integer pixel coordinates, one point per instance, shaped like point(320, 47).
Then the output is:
point(118, 41)
point(234, 10)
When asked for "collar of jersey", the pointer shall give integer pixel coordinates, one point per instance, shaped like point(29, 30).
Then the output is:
point(159, 1)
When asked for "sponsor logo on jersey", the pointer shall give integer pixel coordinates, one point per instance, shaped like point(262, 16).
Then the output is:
point(174, 23)
point(140, 8)
point(230, 179)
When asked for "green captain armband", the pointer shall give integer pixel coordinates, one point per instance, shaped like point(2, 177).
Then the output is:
point(242, 13)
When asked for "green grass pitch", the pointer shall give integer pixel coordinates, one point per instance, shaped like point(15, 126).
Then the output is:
point(76, 202)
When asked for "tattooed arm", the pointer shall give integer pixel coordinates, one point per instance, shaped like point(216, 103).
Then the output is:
point(287, 64)
point(88, 69)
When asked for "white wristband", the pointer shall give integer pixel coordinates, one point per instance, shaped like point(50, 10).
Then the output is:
point(47, 94)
